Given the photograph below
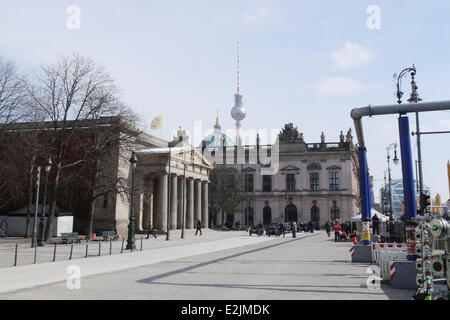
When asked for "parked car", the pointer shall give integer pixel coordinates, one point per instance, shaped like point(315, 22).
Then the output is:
point(273, 230)
point(256, 230)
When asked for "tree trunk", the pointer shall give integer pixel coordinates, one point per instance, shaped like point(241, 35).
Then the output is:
point(90, 225)
point(30, 198)
point(223, 217)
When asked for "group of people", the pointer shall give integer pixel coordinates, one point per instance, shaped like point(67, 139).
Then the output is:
point(341, 230)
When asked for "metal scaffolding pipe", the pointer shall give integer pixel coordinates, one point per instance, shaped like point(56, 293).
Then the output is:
point(370, 111)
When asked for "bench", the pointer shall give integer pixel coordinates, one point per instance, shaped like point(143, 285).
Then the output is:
point(108, 235)
point(70, 236)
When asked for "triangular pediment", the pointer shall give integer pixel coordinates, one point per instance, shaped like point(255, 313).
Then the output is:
point(314, 166)
point(334, 168)
point(290, 168)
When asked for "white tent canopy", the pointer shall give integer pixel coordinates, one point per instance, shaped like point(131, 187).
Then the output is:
point(373, 213)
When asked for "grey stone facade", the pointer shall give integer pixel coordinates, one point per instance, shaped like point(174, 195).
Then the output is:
point(313, 181)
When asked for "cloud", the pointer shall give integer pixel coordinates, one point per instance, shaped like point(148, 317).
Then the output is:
point(260, 15)
point(339, 86)
point(352, 55)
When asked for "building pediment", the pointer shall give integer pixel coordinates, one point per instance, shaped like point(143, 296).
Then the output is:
point(314, 166)
point(290, 168)
point(248, 169)
point(334, 168)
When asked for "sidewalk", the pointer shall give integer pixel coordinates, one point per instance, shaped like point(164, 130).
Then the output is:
point(27, 276)
point(45, 254)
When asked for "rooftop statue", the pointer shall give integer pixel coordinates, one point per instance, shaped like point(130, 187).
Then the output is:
point(290, 134)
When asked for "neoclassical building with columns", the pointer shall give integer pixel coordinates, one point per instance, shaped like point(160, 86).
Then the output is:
point(168, 183)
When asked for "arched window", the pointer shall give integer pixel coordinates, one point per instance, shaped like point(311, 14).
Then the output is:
point(315, 212)
point(335, 214)
point(267, 215)
point(290, 213)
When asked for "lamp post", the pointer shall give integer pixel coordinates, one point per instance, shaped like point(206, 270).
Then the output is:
point(48, 167)
point(131, 242)
point(395, 160)
point(170, 144)
point(36, 204)
point(413, 99)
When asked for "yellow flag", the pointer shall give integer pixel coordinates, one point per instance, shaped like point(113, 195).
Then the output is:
point(157, 122)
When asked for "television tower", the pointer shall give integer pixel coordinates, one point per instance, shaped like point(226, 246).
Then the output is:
point(238, 113)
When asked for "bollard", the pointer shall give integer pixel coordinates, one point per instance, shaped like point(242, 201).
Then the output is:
point(121, 250)
point(15, 257)
point(87, 248)
point(35, 253)
point(54, 253)
point(71, 251)
point(99, 248)
point(110, 247)
point(141, 242)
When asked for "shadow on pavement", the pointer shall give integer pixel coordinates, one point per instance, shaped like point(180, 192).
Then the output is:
point(202, 264)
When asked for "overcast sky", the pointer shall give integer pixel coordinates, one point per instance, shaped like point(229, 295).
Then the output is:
point(306, 62)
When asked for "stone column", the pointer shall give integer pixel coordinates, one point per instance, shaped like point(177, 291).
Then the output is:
point(205, 206)
point(180, 202)
point(161, 222)
point(146, 206)
point(190, 203)
point(197, 201)
point(173, 201)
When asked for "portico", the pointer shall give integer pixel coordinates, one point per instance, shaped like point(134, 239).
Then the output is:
point(186, 188)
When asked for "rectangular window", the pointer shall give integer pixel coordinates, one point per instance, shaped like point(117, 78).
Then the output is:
point(248, 183)
point(314, 181)
point(290, 182)
point(267, 183)
point(334, 180)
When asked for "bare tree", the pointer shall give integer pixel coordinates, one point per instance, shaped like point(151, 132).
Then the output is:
point(224, 191)
point(14, 107)
point(12, 95)
point(70, 92)
point(114, 141)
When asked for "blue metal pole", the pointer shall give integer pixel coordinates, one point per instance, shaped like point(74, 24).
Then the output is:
point(407, 169)
point(365, 195)
point(408, 187)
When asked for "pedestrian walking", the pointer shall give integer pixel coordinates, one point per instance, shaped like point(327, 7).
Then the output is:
point(327, 228)
point(199, 227)
point(282, 229)
point(337, 231)
point(151, 231)
point(294, 229)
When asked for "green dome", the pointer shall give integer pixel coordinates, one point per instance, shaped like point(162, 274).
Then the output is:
point(214, 139)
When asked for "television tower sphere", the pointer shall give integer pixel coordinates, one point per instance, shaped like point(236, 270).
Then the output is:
point(238, 112)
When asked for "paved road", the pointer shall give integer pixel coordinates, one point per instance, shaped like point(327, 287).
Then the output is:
point(310, 266)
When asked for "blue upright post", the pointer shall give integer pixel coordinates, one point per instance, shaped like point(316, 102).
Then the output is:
point(407, 169)
point(365, 196)
point(408, 186)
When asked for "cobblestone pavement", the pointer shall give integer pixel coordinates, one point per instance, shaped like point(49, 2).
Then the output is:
point(311, 266)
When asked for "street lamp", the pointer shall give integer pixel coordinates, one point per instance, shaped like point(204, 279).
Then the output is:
point(48, 167)
point(413, 99)
point(395, 160)
point(131, 228)
point(36, 204)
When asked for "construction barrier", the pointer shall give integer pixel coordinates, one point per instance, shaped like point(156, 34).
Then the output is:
point(385, 255)
point(378, 248)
